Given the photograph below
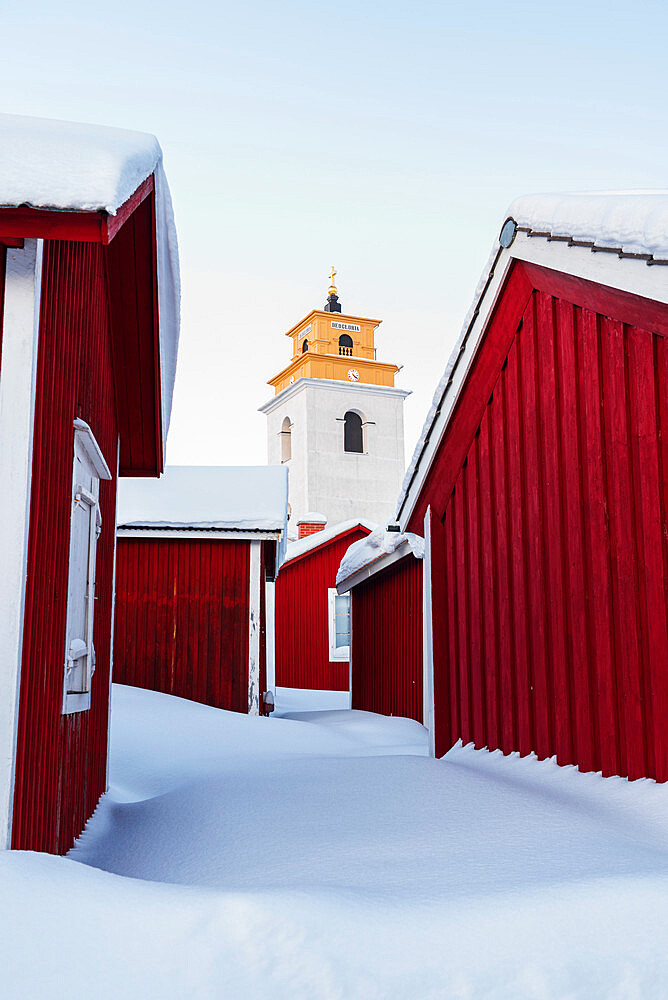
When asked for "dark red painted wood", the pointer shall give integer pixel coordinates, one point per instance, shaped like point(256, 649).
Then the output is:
point(88, 227)
point(131, 263)
point(387, 641)
point(488, 581)
point(61, 760)
point(113, 223)
point(43, 223)
point(301, 615)
point(182, 618)
point(553, 554)
point(3, 264)
point(134, 323)
point(470, 407)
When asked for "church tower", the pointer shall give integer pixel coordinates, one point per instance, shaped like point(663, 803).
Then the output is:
point(336, 419)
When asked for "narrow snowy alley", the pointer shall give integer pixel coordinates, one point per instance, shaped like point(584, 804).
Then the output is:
point(323, 855)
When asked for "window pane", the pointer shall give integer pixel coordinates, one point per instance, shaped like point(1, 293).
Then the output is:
point(77, 604)
point(342, 620)
point(352, 432)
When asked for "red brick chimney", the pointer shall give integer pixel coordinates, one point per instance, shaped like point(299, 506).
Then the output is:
point(310, 523)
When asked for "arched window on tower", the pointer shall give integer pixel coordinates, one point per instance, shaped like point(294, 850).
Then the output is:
point(305, 347)
point(353, 433)
point(345, 344)
point(286, 440)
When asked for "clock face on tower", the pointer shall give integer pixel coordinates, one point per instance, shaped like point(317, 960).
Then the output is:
point(353, 374)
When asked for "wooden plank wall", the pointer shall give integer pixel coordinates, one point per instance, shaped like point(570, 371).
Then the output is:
point(182, 618)
point(302, 617)
point(61, 759)
point(550, 617)
point(387, 641)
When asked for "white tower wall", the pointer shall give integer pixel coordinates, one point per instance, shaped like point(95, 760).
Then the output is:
point(325, 478)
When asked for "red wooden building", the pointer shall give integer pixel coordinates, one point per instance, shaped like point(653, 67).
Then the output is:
point(383, 576)
point(196, 550)
point(541, 485)
point(89, 303)
point(310, 652)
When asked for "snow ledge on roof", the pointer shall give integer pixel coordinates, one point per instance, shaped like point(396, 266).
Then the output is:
point(207, 497)
point(76, 167)
point(633, 221)
point(295, 550)
point(72, 166)
point(379, 543)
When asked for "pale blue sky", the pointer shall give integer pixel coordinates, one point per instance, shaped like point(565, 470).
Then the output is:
point(384, 138)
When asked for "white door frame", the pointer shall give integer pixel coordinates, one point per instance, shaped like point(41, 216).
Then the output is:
point(18, 382)
point(427, 638)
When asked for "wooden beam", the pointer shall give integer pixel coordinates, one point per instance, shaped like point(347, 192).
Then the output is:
point(82, 227)
point(112, 223)
point(42, 223)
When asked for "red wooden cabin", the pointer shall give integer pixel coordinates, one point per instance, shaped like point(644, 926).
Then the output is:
point(306, 650)
point(383, 576)
point(196, 550)
point(89, 297)
point(541, 481)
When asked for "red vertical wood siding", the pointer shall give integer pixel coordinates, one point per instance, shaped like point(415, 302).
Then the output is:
point(302, 617)
point(182, 618)
point(550, 615)
point(61, 759)
point(387, 641)
point(3, 266)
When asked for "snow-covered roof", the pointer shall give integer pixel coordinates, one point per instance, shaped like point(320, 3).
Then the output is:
point(71, 166)
point(633, 224)
point(295, 550)
point(215, 498)
point(369, 553)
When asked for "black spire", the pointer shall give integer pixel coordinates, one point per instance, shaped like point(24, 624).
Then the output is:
point(332, 305)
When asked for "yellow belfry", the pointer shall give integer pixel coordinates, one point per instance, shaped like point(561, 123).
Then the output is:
point(334, 345)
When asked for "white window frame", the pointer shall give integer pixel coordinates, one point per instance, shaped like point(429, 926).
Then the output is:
point(79, 649)
point(337, 654)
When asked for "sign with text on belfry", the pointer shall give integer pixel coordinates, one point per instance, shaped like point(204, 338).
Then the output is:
point(353, 327)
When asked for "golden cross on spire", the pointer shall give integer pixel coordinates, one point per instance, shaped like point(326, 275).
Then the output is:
point(332, 286)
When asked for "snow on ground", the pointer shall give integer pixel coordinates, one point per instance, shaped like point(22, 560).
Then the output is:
point(298, 700)
point(323, 855)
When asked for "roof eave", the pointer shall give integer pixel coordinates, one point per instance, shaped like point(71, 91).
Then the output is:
point(636, 274)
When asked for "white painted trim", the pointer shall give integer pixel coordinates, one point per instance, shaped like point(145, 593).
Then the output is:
point(85, 439)
point(377, 566)
point(628, 274)
point(87, 452)
point(350, 660)
point(222, 535)
point(362, 388)
point(468, 346)
point(18, 377)
point(428, 711)
point(113, 623)
point(270, 622)
point(254, 585)
point(624, 273)
point(337, 654)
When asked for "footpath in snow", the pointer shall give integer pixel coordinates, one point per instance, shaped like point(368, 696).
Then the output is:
point(324, 855)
